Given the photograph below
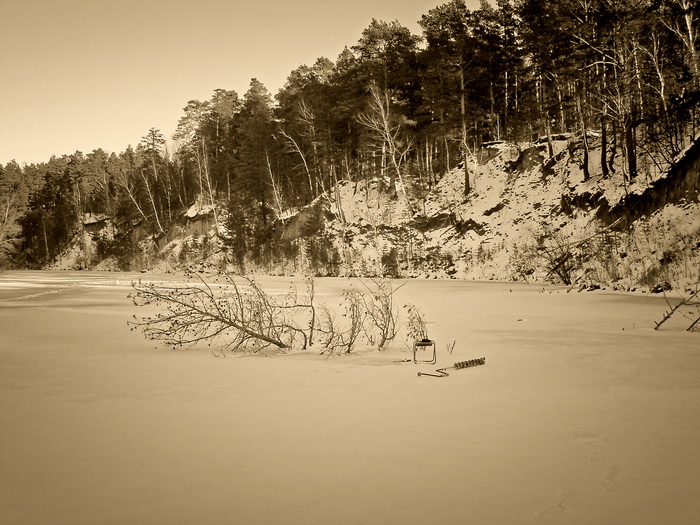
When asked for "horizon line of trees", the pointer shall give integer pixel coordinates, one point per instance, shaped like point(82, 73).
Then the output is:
point(395, 106)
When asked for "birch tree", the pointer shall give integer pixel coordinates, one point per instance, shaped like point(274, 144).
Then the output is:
point(390, 131)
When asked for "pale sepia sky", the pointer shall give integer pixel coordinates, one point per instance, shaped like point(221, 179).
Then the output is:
point(76, 75)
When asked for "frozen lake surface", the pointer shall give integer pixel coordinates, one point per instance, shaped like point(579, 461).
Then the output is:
point(582, 414)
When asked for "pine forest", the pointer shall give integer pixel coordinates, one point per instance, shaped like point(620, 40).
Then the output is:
point(611, 86)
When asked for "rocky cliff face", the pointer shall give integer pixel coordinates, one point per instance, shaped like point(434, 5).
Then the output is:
point(528, 217)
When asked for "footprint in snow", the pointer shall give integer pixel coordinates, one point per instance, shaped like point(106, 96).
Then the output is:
point(596, 457)
point(590, 439)
point(608, 482)
point(555, 510)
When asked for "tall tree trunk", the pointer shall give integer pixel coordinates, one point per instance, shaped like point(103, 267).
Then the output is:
point(463, 114)
point(151, 199)
point(603, 146)
point(544, 115)
point(584, 133)
point(274, 186)
point(630, 148)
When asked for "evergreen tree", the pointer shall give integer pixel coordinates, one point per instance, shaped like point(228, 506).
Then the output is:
point(254, 183)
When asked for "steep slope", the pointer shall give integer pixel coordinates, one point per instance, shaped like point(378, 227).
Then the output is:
point(528, 217)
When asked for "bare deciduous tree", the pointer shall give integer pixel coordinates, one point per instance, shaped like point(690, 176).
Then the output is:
point(417, 327)
point(123, 180)
point(9, 212)
point(382, 316)
point(336, 339)
point(390, 129)
point(329, 334)
point(293, 146)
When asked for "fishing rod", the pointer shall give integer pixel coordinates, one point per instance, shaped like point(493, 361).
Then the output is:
point(457, 366)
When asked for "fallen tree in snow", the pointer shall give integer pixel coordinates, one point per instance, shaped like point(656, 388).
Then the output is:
point(691, 301)
point(237, 311)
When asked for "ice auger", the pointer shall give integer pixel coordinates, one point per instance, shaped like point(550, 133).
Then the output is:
point(459, 365)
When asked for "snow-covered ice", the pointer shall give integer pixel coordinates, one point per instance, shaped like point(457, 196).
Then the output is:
point(582, 414)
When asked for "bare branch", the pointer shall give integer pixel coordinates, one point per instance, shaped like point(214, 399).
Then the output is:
point(673, 309)
point(389, 129)
point(381, 313)
point(417, 327)
point(196, 312)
